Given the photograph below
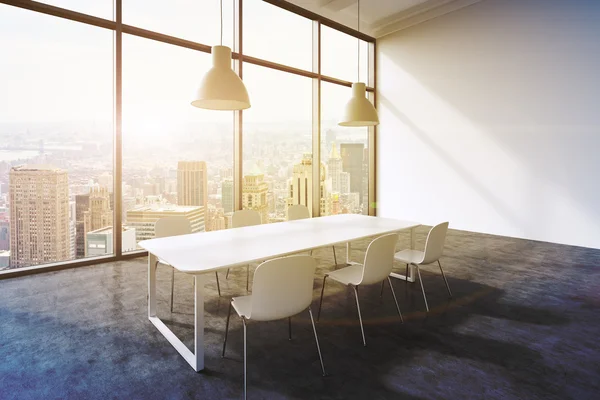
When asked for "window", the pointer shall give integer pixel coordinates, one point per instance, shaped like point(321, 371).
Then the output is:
point(277, 140)
point(177, 159)
point(59, 101)
point(292, 47)
point(339, 52)
point(56, 135)
point(195, 20)
point(97, 8)
point(344, 150)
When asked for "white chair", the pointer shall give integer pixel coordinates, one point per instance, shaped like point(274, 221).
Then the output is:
point(434, 247)
point(175, 226)
point(377, 266)
point(240, 219)
point(300, 211)
point(281, 288)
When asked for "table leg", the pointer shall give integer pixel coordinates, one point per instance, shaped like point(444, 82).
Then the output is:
point(195, 359)
point(413, 243)
point(199, 321)
point(348, 253)
point(411, 269)
point(152, 285)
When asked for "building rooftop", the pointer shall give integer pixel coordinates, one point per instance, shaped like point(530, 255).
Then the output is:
point(37, 167)
point(162, 208)
point(108, 230)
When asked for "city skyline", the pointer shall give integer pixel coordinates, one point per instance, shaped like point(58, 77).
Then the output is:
point(158, 189)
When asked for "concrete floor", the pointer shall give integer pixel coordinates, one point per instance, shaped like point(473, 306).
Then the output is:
point(524, 324)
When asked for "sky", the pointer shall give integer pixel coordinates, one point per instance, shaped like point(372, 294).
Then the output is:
point(55, 70)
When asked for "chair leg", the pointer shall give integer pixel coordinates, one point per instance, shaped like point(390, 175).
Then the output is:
point(359, 316)
point(226, 328)
point(247, 277)
point(334, 257)
point(316, 340)
point(227, 274)
point(310, 253)
point(445, 280)
point(395, 299)
point(245, 362)
point(406, 275)
point(422, 288)
point(218, 285)
point(290, 327)
point(172, 286)
point(321, 302)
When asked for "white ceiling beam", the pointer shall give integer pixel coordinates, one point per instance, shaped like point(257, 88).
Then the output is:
point(417, 15)
point(337, 5)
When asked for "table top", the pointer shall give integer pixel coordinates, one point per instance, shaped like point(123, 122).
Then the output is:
point(209, 251)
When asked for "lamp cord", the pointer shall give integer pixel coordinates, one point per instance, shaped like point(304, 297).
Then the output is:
point(358, 39)
point(221, 7)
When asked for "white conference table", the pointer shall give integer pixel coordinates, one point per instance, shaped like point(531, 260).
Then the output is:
point(204, 252)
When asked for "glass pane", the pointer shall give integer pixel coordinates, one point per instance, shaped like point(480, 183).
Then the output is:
point(277, 142)
point(198, 21)
point(277, 35)
point(177, 159)
point(345, 152)
point(97, 8)
point(56, 138)
point(339, 55)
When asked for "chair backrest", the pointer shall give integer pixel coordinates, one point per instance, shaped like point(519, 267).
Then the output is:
point(298, 211)
point(243, 218)
point(379, 259)
point(434, 246)
point(172, 226)
point(282, 287)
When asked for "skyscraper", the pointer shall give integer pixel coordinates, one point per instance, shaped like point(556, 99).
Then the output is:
point(192, 183)
point(300, 186)
point(334, 165)
point(255, 194)
point(344, 183)
point(39, 215)
point(227, 195)
point(82, 204)
point(4, 234)
point(72, 228)
point(352, 162)
point(99, 214)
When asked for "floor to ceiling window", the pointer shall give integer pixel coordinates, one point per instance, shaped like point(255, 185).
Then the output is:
point(177, 159)
point(262, 21)
point(277, 142)
point(344, 151)
point(56, 138)
point(96, 118)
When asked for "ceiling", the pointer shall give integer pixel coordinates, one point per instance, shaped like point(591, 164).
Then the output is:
point(381, 17)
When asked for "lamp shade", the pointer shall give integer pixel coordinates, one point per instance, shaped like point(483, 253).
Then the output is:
point(221, 88)
point(359, 110)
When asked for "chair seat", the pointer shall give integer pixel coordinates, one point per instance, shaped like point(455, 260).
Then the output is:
point(409, 256)
point(348, 275)
point(242, 305)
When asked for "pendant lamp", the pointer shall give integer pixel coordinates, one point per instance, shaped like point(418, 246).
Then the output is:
point(221, 88)
point(359, 110)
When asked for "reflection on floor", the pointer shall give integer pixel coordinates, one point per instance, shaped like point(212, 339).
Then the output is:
point(524, 324)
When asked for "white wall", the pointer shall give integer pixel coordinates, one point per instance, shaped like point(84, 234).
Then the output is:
point(490, 118)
